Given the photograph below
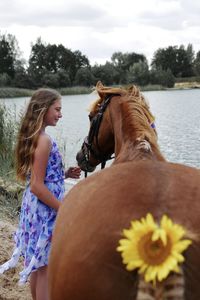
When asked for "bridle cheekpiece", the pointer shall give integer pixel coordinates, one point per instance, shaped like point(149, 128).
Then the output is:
point(87, 147)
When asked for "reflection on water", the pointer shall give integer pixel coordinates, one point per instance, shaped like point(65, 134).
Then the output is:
point(177, 119)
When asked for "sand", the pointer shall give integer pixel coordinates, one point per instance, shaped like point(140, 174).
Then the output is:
point(9, 288)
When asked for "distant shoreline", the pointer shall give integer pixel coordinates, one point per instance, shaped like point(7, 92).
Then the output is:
point(12, 92)
point(187, 85)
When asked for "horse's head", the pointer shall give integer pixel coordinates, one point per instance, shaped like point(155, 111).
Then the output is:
point(101, 142)
point(98, 145)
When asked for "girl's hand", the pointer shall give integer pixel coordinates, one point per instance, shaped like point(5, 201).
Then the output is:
point(73, 172)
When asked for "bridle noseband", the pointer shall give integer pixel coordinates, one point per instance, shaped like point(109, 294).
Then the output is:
point(87, 147)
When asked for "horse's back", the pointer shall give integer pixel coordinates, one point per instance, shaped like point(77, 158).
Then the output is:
point(84, 263)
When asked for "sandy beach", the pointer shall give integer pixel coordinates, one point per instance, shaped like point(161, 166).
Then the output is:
point(9, 287)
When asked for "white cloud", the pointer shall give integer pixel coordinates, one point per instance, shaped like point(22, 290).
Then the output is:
point(100, 29)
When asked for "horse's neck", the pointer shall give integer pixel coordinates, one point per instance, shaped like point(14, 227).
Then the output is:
point(131, 144)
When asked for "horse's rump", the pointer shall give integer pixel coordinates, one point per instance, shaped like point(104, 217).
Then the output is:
point(92, 218)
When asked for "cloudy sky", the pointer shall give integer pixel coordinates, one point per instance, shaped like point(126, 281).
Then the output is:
point(100, 28)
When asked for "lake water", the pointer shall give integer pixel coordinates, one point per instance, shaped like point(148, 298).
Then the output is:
point(177, 116)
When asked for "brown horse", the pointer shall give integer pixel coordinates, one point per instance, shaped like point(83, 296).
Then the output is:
point(84, 263)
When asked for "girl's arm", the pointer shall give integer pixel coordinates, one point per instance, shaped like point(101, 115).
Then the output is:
point(38, 173)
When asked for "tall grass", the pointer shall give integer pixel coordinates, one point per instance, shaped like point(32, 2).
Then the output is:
point(9, 92)
point(10, 206)
point(8, 131)
point(152, 87)
point(75, 90)
point(188, 79)
point(10, 191)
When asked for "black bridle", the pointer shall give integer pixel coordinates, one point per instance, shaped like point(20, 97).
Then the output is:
point(87, 146)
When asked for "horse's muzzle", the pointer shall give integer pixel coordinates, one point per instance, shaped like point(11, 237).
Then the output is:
point(83, 163)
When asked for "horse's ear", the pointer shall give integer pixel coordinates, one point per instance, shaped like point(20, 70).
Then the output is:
point(99, 87)
point(130, 89)
point(133, 90)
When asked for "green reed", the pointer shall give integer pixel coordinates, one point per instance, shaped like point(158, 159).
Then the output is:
point(76, 90)
point(10, 191)
point(8, 131)
point(9, 92)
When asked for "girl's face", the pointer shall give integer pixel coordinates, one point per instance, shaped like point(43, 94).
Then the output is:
point(53, 114)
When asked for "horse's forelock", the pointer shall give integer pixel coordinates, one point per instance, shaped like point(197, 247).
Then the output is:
point(132, 91)
point(106, 91)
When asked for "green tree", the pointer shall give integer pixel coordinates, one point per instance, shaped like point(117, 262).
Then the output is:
point(197, 64)
point(11, 61)
point(21, 78)
point(47, 60)
point(123, 62)
point(6, 57)
point(59, 58)
point(63, 78)
point(106, 73)
point(5, 79)
point(37, 62)
point(162, 77)
point(51, 80)
point(190, 54)
point(139, 73)
point(78, 61)
point(19, 62)
point(185, 61)
point(84, 77)
point(178, 60)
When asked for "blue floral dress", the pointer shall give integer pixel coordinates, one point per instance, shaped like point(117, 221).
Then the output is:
point(34, 233)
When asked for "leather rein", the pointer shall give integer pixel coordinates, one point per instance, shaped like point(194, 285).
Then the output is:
point(87, 147)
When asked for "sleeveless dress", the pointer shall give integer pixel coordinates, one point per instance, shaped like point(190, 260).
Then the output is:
point(36, 223)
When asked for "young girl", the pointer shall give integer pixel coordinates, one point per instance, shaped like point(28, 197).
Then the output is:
point(38, 162)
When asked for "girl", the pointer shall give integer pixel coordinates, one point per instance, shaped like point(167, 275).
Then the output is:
point(39, 162)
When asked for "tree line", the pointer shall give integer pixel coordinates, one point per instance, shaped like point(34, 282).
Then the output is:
point(56, 66)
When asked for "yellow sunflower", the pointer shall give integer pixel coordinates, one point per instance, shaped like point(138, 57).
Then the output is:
point(154, 249)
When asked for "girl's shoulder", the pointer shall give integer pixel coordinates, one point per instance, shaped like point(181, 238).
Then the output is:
point(44, 140)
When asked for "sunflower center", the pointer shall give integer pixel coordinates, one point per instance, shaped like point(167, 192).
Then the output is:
point(153, 252)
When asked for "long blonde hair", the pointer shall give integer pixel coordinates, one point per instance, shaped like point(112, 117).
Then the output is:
point(30, 128)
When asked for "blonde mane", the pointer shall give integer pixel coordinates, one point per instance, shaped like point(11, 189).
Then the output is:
point(135, 109)
point(132, 93)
